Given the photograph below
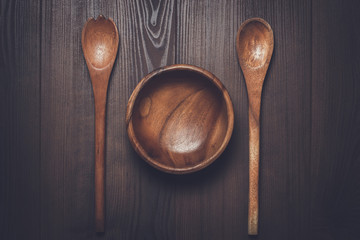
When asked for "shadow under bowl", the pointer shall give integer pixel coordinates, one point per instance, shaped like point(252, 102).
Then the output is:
point(179, 118)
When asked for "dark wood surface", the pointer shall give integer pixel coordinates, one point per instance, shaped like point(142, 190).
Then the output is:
point(310, 122)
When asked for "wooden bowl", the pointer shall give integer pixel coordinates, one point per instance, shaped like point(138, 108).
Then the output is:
point(179, 118)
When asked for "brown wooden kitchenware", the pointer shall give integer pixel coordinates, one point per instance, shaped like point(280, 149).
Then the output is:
point(100, 40)
point(254, 45)
point(179, 118)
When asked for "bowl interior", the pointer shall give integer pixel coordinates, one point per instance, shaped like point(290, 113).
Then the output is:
point(179, 121)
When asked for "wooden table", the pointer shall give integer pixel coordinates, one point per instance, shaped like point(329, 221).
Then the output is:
point(310, 122)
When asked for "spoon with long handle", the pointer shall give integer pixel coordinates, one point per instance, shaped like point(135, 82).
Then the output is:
point(254, 46)
point(100, 40)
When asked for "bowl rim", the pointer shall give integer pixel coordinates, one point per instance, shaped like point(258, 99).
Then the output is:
point(130, 129)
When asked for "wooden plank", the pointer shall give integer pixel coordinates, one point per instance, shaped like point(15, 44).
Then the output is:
point(19, 119)
point(67, 119)
point(287, 122)
point(218, 209)
point(53, 118)
point(335, 156)
point(212, 204)
point(137, 196)
point(67, 167)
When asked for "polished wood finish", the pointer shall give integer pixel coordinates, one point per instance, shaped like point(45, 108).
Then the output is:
point(254, 46)
point(310, 136)
point(100, 40)
point(180, 118)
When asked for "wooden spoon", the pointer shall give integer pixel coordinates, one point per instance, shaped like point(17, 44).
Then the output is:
point(254, 45)
point(100, 40)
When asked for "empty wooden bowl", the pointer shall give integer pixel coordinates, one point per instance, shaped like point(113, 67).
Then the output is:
point(179, 118)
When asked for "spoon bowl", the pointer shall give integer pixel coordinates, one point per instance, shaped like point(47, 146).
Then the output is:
point(254, 44)
point(100, 42)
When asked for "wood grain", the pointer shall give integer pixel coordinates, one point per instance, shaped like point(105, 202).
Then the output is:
point(309, 122)
point(285, 150)
point(67, 131)
point(212, 204)
point(20, 60)
point(285, 156)
point(335, 156)
point(139, 199)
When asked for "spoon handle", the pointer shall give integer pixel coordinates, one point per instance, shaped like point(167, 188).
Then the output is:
point(100, 106)
point(254, 152)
